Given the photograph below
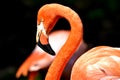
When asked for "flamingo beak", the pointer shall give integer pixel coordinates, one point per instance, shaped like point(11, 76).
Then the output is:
point(42, 39)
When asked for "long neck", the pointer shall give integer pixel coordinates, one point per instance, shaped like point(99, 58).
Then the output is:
point(68, 49)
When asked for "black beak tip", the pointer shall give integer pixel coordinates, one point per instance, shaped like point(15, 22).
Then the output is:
point(47, 48)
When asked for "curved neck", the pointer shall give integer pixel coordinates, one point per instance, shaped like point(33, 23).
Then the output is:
point(74, 39)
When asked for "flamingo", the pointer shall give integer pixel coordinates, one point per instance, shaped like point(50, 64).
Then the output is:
point(98, 63)
point(36, 61)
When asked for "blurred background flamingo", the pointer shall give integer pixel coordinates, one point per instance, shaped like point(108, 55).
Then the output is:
point(36, 61)
point(75, 35)
point(19, 41)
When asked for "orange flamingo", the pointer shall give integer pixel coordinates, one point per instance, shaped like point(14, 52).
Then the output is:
point(39, 59)
point(99, 63)
point(35, 61)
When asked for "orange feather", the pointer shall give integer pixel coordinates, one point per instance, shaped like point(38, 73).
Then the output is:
point(99, 63)
point(33, 63)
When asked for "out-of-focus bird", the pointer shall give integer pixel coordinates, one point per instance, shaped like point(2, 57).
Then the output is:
point(36, 61)
point(99, 63)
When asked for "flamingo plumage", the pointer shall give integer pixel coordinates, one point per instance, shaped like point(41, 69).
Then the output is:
point(99, 63)
point(39, 59)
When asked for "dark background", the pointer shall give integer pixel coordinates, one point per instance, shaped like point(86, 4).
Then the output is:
point(101, 21)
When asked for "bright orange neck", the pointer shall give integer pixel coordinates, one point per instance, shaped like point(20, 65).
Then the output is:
point(74, 39)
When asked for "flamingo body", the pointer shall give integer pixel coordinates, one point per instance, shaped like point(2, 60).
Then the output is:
point(99, 63)
point(39, 59)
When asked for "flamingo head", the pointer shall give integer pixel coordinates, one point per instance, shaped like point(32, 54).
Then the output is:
point(42, 39)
